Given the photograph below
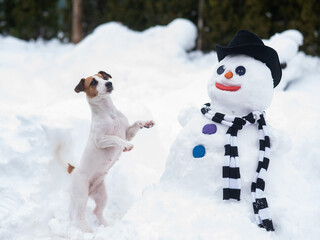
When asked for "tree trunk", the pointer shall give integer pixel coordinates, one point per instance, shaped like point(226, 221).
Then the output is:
point(77, 33)
point(200, 24)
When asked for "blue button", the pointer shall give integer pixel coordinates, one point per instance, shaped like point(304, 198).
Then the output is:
point(199, 151)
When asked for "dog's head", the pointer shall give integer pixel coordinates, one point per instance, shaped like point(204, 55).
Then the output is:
point(97, 85)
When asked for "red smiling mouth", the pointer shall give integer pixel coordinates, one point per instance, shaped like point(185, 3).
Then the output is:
point(227, 88)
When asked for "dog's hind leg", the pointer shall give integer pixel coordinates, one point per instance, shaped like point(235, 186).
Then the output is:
point(99, 195)
point(78, 200)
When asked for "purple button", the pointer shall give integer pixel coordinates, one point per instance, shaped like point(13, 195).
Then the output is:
point(209, 129)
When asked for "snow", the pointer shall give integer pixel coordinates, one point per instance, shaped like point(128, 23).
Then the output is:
point(43, 123)
point(287, 46)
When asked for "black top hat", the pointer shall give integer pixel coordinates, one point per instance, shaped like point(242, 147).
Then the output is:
point(247, 43)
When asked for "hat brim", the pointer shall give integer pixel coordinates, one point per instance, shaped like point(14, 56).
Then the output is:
point(260, 52)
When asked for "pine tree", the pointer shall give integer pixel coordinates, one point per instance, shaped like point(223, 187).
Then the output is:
point(310, 26)
point(256, 17)
point(77, 31)
point(222, 20)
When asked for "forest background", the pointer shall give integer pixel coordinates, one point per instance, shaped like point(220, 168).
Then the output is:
point(217, 20)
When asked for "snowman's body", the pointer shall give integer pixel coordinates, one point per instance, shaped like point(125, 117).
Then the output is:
point(204, 174)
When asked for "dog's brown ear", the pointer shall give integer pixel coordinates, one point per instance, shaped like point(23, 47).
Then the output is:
point(105, 75)
point(80, 86)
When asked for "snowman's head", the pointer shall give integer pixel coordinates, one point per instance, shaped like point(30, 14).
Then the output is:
point(240, 84)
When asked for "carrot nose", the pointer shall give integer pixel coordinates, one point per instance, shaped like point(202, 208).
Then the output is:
point(228, 75)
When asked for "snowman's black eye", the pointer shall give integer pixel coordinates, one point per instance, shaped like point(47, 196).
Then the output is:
point(220, 69)
point(240, 70)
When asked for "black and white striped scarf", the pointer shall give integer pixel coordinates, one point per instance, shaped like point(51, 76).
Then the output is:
point(231, 169)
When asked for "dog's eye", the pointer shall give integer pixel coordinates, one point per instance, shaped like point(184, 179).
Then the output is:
point(93, 82)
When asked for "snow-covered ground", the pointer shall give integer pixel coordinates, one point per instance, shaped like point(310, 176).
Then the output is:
point(43, 120)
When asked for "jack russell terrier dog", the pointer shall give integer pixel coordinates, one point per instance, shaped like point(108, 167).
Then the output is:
point(109, 136)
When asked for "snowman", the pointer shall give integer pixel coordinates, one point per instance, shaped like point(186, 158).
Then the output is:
point(224, 148)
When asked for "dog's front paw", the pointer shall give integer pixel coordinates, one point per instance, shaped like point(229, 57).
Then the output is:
point(127, 147)
point(147, 124)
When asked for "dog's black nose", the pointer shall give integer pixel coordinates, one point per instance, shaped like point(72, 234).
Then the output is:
point(108, 84)
point(109, 87)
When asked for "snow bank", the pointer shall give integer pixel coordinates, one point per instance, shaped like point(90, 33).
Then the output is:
point(286, 44)
point(42, 120)
point(295, 64)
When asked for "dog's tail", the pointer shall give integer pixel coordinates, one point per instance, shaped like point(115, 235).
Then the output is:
point(58, 157)
point(61, 141)
point(70, 168)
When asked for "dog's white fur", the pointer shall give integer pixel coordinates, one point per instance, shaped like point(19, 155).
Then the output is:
point(109, 136)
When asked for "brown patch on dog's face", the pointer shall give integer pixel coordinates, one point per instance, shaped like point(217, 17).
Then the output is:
point(89, 86)
point(99, 75)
